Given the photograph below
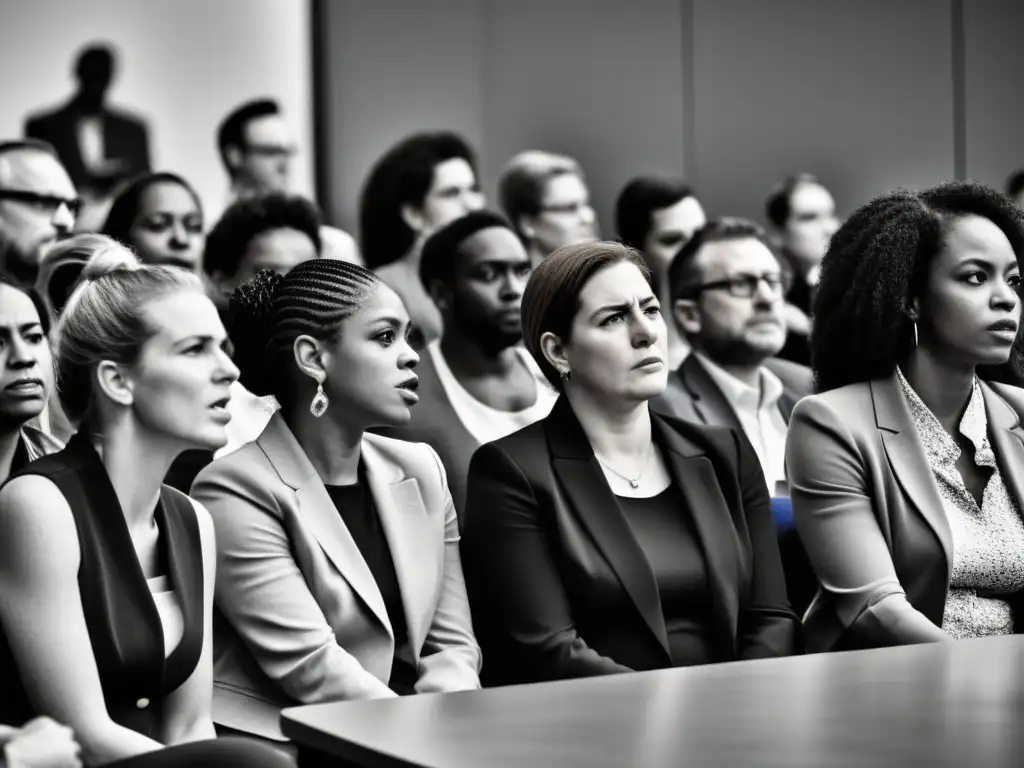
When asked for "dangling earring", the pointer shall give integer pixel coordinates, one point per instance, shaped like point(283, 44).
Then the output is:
point(566, 374)
point(915, 332)
point(319, 405)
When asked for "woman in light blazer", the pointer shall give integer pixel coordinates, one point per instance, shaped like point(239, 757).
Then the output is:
point(907, 469)
point(338, 551)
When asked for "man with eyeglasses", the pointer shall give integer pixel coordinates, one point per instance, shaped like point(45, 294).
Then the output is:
point(38, 205)
point(257, 150)
point(546, 198)
point(727, 292)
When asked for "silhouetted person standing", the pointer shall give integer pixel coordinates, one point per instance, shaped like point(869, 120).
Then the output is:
point(99, 146)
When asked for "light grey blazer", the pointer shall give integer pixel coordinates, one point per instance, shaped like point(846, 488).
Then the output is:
point(867, 507)
point(300, 619)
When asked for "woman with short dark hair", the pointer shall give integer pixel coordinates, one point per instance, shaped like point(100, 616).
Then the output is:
point(159, 216)
point(607, 538)
point(26, 376)
point(907, 469)
point(420, 184)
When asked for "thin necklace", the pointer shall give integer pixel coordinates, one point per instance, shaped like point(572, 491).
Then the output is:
point(634, 482)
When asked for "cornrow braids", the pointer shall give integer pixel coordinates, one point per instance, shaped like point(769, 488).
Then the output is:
point(268, 313)
point(877, 263)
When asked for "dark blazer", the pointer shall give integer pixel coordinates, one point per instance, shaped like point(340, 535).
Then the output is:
point(867, 507)
point(125, 138)
point(547, 550)
point(692, 395)
point(435, 423)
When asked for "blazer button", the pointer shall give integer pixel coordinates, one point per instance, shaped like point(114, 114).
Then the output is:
point(142, 703)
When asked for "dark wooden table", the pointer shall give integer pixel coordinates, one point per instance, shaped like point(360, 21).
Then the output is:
point(957, 704)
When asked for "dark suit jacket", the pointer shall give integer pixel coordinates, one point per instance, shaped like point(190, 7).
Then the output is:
point(867, 507)
point(435, 423)
point(125, 138)
point(547, 551)
point(692, 395)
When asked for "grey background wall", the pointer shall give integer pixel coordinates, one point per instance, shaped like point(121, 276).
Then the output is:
point(729, 94)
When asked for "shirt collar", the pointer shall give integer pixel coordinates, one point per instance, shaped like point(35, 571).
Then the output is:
point(938, 443)
point(740, 393)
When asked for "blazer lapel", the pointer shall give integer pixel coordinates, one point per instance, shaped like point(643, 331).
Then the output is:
point(786, 405)
point(908, 460)
point(695, 477)
point(590, 496)
point(320, 514)
point(1007, 441)
point(404, 519)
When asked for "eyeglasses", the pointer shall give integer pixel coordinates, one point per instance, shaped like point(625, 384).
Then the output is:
point(565, 209)
point(47, 203)
point(745, 286)
point(271, 150)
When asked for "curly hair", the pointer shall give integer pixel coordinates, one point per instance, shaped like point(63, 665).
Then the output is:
point(247, 219)
point(400, 177)
point(269, 312)
point(877, 262)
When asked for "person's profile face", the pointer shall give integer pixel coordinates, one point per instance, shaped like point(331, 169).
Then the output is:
point(454, 192)
point(369, 366)
point(488, 286)
point(565, 215)
point(38, 203)
point(168, 228)
point(671, 228)
point(26, 364)
point(811, 224)
point(618, 350)
point(970, 307)
point(181, 380)
point(267, 154)
point(279, 250)
point(733, 329)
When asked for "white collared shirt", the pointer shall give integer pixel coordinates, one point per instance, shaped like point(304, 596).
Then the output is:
point(249, 417)
point(757, 409)
point(482, 421)
point(90, 142)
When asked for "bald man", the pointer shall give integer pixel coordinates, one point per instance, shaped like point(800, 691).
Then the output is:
point(38, 203)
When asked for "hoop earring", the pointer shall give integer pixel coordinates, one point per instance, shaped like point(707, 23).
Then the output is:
point(566, 374)
point(320, 402)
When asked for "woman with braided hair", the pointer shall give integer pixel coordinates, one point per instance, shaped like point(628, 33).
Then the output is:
point(338, 550)
point(907, 468)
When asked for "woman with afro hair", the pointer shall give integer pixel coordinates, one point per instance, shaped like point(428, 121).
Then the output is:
point(907, 467)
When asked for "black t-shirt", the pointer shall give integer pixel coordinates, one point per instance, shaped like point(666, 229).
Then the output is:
point(358, 510)
point(668, 537)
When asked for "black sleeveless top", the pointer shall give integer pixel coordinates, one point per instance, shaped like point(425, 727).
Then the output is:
point(120, 613)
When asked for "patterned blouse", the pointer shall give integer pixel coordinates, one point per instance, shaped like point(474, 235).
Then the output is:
point(988, 543)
